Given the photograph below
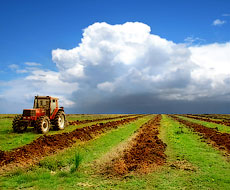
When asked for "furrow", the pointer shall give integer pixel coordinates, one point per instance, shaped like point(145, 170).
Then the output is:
point(145, 151)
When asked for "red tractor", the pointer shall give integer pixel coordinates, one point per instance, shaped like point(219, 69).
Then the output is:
point(44, 113)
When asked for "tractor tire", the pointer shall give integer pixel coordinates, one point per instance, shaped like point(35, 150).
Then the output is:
point(59, 121)
point(43, 124)
point(17, 125)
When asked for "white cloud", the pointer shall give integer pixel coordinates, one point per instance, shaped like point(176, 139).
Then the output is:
point(32, 64)
point(13, 66)
point(17, 69)
point(218, 22)
point(127, 58)
point(106, 86)
point(20, 92)
point(124, 59)
point(21, 71)
point(191, 41)
point(107, 52)
point(226, 14)
point(214, 63)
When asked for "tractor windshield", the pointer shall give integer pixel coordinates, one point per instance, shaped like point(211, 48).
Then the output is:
point(41, 103)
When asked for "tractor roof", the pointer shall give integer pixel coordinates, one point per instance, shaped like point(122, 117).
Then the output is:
point(45, 97)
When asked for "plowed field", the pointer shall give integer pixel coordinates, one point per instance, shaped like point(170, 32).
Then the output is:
point(132, 151)
point(49, 144)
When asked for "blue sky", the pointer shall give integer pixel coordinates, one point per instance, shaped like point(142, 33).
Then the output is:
point(30, 29)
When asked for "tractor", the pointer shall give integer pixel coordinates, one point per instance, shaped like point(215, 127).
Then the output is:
point(44, 113)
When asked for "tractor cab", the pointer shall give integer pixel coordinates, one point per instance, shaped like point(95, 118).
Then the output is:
point(47, 103)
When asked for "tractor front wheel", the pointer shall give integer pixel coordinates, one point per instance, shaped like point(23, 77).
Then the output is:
point(59, 121)
point(43, 125)
point(18, 126)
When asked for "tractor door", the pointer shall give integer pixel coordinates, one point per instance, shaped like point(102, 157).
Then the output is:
point(53, 105)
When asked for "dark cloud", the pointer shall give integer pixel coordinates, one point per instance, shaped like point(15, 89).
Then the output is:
point(151, 103)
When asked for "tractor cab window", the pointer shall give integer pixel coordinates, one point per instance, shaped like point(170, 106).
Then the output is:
point(53, 105)
point(41, 103)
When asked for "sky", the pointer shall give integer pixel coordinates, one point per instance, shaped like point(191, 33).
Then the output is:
point(117, 56)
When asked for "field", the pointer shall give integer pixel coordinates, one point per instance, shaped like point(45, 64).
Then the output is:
point(119, 152)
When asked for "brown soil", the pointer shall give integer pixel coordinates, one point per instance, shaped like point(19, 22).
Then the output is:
point(146, 151)
point(202, 118)
point(49, 144)
point(78, 122)
point(222, 140)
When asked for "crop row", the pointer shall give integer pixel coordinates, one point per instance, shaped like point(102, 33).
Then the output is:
point(200, 117)
point(78, 122)
point(49, 144)
point(222, 140)
point(146, 150)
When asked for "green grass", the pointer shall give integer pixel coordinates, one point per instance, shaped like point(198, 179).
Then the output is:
point(221, 128)
point(10, 140)
point(212, 169)
point(77, 160)
point(55, 171)
point(209, 169)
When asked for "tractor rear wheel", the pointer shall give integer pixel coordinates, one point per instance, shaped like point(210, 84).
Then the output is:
point(59, 121)
point(18, 126)
point(43, 125)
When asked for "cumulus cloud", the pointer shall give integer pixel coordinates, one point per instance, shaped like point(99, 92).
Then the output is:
point(114, 57)
point(213, 67)
point(115, 66)
point(218, 22)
